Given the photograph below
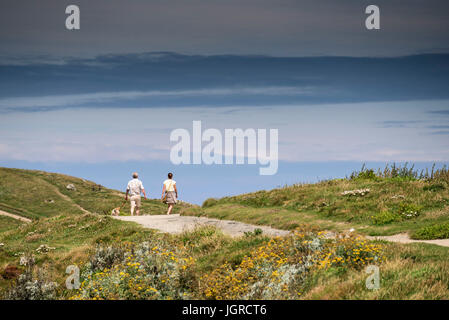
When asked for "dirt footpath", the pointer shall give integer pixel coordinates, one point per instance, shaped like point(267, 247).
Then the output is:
point(404, 238)
point(176, 224)
point(14, 216)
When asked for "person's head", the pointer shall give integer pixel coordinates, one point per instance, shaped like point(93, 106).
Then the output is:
point(135, 175)
point(170, 175)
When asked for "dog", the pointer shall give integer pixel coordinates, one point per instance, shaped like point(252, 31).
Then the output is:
point(115, 211)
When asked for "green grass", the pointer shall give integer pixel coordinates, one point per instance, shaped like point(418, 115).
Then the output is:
point(435, 231)
point(36, 194)
point(7, 224)
point(382, 211)
point(413, 271)
point(72, 236)
point(212, 248)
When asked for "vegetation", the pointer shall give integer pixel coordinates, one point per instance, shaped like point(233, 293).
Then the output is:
point(280, 268)
point(121, 260)
point(38, 194)
point(389, 201)
point(436, 231)
point(305, 265)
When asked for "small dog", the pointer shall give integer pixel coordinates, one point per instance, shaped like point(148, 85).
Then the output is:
point(115, 211)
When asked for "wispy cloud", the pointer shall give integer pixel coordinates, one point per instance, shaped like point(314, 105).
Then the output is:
point(399, 123)
point(306, 132)
point(440, 112)
point(438, 127)
point(103, 97)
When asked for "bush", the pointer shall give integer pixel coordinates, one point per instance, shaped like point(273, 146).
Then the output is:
point(254, 233)
point(384, 217)
point(148, 271)
point(367, 174)
point(280, 268)
point(435, 187)
point(436, 231)
point(105, 257)
point(408, 210)
point(26, 287)
point(209, 202)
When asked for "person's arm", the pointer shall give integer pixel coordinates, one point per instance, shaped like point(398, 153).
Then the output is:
point(127, 191)
point(163, 191)
point(143, 190)
point(176, 190)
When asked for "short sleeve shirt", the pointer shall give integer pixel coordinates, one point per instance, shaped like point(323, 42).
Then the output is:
point(135, 187)
point(169, 184)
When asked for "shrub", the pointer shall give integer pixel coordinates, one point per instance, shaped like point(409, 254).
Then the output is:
point(436, 231)
point(209, 202)
point(384, 217)
point(148, 271)
point(435, 187)
point(254, 233)
point(403, 172)
point(105, 257)
point(367, 174)
point(27, 287)
point(278, 269)
point(408, 210)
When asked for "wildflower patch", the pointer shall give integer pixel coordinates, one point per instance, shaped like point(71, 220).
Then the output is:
point(278, 270)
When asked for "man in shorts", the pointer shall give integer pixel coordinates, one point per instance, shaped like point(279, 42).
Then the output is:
point(134, 189)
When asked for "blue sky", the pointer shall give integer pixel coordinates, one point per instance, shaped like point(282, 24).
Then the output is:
point(101, 103)
point(332, 115)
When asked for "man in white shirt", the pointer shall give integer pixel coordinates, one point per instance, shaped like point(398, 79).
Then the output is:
point(134, 189)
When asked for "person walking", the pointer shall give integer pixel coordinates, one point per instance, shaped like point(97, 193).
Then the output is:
point(134, 189)
point(169, 193)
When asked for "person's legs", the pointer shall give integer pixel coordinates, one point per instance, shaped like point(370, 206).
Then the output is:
point(136, 201)
point(170, 207)
point(133, 205)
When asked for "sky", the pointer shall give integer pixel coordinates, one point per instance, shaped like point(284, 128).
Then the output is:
point(267, 27)
point(101, 102)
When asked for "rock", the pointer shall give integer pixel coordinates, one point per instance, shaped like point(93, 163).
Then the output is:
point(71, 187)
point(26, 260)
point(357, 192)
point(50, 201)
point(43, 248)
point(10, 272)
point(323, 204)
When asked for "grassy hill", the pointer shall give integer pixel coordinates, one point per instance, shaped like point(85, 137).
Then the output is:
point(373, 204)
point(37, 194)
point(206, 264)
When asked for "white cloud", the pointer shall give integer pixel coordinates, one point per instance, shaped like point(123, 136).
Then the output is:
point(306, 133)
point(102, 97)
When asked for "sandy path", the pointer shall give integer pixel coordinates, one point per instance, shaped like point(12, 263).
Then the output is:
point(67, 198)
point(404, 238)
point(176, 224)
point(14, 216)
